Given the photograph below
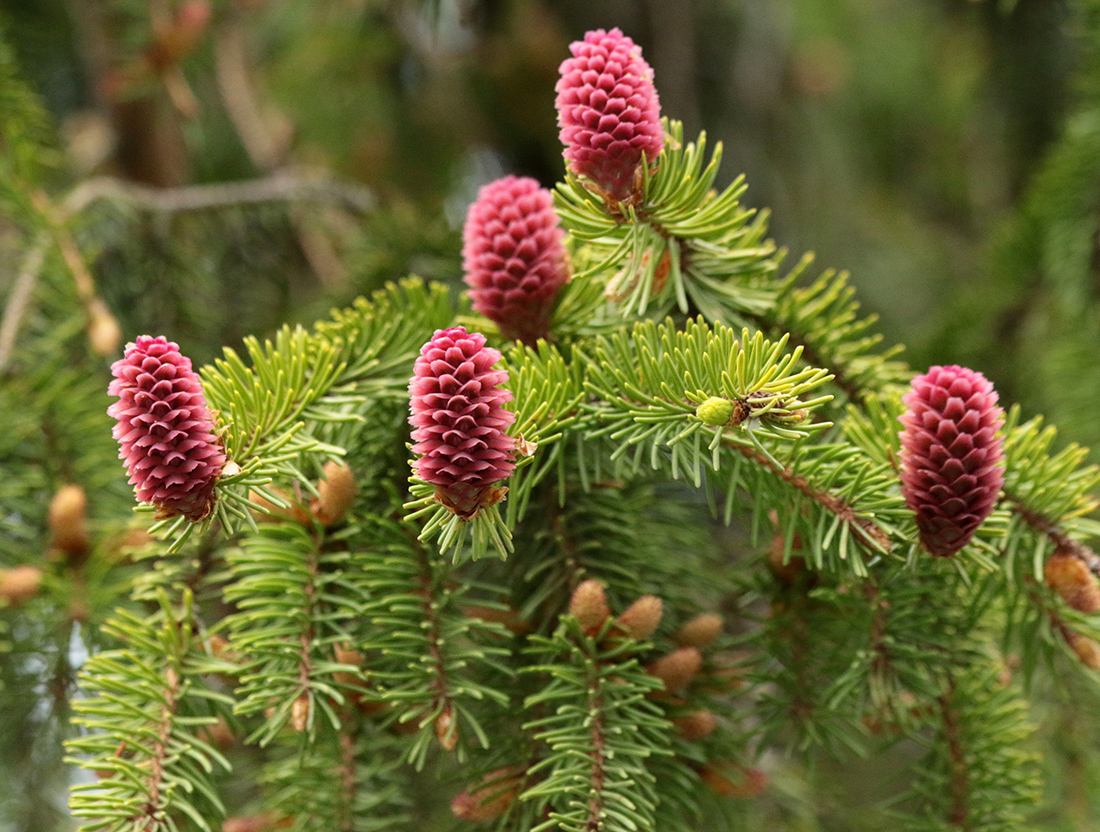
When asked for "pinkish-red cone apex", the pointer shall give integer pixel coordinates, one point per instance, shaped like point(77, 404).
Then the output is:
point(459, 419)
point(950, 455)
point(608, 112)
point(513, 256)
point(164, 429)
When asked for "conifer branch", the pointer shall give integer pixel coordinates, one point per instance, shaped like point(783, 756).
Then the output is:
point(20, 296)
point(861, 528)
point(601, 732)
point(283, 186)
point(1062, 542)
point(959, 812)
point(142, 719)
point(445, 722)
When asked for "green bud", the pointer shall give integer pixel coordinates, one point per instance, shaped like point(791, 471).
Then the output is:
point(715, 411)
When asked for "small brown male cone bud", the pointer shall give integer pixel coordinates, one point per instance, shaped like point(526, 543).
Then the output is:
point(642, 617)
point(589, 606)
point(295, 512)
point(729, 779)
point(67, 522)
point(1087, 650)
point(299, 713)
point(219, 735)
point(1071, 579)
point(20, 584)
point(345, 654)
point(491, 798)
point(264, 822)
point(508, 617)
point(786, 573)
point(446, 729)
point(677, 669)
point(696, 725)
point(700, 631)
point(104, 333)
point(337, 493)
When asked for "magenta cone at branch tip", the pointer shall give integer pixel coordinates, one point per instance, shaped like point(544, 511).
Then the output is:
point(950, 455)
point(164, 428)
point(513, 257)
point(608, 112)
point(459, 418)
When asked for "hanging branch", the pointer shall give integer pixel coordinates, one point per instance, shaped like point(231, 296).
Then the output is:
point(596, 777)
point(862, 529)
point(959, 811)
point(282, 186)
point(141, 729)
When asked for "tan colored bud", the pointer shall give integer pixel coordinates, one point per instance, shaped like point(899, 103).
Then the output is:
point(789, 572)
point(299, 713)
point(492, 797)
point(346, 655)
point(1087, 650)
point(677, 669)
point(1072, 580)
point(508, 617)
point(104, 333)
point(220, 648)
point(729, 779)
point(295, 512)
point(337, 493)
point(700, 631)
point(642, 617)
point(67, 522)
point(405, 727)
point(696, 725)
point(589, 606)
point(219, 735)
point(446, 729)
point(20, 584)
point(263, 822)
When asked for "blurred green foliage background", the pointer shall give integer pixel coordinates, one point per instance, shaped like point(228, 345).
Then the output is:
point(946, 152)
point(894, 138)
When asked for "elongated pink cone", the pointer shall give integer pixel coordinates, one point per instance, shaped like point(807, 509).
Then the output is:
point(459, 418)
point(950, 455)
point(164, 428)
point(514, 258)
point(608, 112)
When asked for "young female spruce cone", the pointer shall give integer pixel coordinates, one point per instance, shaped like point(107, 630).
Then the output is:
point(514, 258)
point(950, 452)
point(459, 419)
point(164, 429)
point(608, 113)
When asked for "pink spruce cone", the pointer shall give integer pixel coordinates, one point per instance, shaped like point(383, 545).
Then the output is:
point(608, 113)
point(950, 450)
point(164, 428)
point(514, 258)
point(459, 419)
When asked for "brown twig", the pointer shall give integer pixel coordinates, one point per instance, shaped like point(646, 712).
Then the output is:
point(960, 786)
point(1059, 538)
point(19, 299)
point(864, 530)
point(284, 186)
point(152, 810)
point(595, 710)
point(445, 729)
point(267, 148)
